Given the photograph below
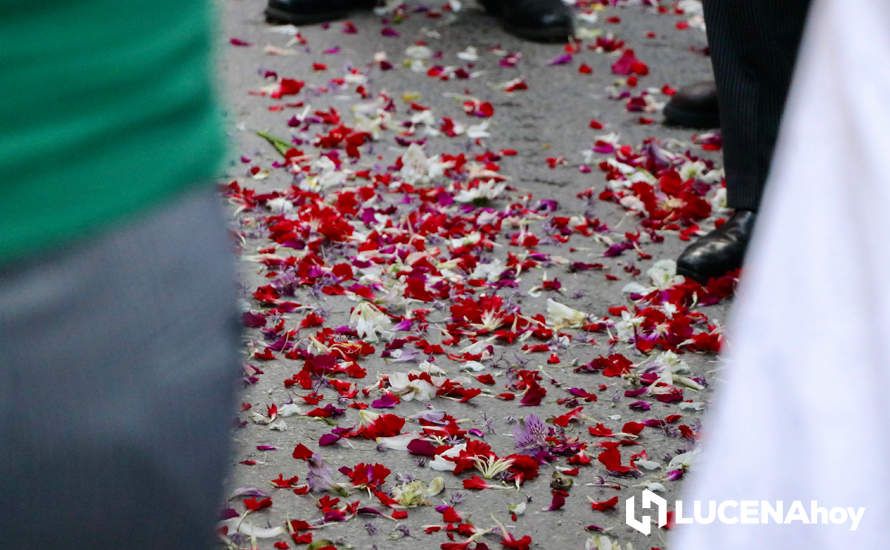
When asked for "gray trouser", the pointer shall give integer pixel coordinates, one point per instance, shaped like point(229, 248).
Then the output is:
point(118, 361)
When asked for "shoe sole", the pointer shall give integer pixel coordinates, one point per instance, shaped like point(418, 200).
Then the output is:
point(540, 35)
point(698, 277)
point(283, 17)
point(689, 119)
point(534, 34)
point(279, 16)
point(694, 275)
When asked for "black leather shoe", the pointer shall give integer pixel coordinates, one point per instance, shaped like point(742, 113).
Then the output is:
point(538, 20)
point(720, 251)
point(307, 12)
point(694, 106)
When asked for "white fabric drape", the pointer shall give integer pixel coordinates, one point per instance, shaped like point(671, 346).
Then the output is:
point(802, 411)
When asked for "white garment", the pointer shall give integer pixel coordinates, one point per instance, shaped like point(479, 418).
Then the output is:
point(803, 413)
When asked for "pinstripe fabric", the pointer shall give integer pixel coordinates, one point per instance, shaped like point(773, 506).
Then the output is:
point(753, 46)
point(118, 358)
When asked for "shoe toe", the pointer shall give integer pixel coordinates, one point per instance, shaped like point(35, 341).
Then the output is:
point(707, 258)
point(541, 15)
point(556, 19)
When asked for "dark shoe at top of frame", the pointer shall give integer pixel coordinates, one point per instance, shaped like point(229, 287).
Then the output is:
point(720, 251)
point(307, 12)
point(694, 106)
point(537, 20)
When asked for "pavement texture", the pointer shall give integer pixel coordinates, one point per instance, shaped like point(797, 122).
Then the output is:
point(368, 229)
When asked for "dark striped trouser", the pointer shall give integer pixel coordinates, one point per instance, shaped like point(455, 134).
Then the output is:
point(753, 45)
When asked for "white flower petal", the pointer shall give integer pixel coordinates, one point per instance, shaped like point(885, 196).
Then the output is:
point(562, 316)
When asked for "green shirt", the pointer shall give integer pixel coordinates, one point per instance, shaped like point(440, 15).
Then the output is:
point(106, 109)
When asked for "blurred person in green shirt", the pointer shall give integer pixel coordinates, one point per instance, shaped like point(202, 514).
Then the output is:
point(118, 332)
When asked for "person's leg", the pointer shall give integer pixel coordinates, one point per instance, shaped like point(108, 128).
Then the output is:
point(753, 47)
point(118, 362)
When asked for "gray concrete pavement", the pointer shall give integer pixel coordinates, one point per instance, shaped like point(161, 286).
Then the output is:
point(549, 120)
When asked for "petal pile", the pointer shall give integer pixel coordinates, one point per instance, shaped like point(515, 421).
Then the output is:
point(427, 319)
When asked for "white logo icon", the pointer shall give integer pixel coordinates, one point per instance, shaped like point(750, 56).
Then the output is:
point(643, 524)
point(738, 512)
